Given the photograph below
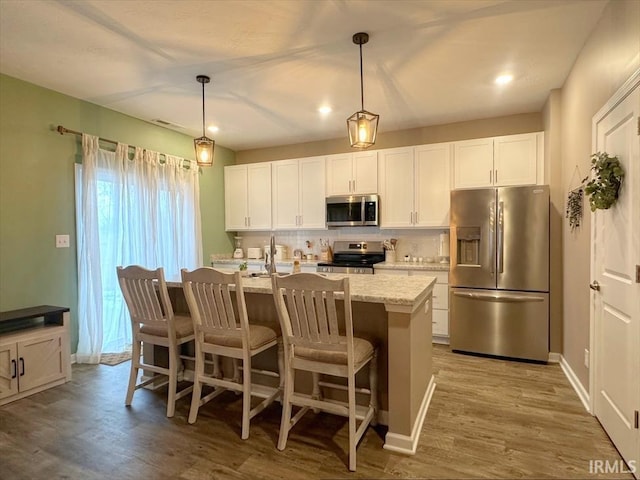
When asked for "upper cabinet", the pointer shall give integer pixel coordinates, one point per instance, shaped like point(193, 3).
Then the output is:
point(498, 161)
point(247, 197)
point(352, 173)
point(299, 194)
point(414, 186)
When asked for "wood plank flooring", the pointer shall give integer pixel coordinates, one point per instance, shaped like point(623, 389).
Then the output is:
point(488, 419)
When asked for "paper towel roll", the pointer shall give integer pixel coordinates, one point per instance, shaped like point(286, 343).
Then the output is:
point(443, 251)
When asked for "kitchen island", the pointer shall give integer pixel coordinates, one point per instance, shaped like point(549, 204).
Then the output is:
point(397, 312)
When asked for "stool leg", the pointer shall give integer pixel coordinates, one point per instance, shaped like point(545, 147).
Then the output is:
point(373, 386)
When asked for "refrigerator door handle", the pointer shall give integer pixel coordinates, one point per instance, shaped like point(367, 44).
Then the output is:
point(492, 229)
point(500, 235)
point(499, 297)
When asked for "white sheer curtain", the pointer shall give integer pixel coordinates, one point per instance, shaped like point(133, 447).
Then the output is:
point(140, 211)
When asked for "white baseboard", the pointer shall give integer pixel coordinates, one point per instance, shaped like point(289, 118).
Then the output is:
point(408, 444)
point(73, 358)
point(554, 357)
point(583, 395)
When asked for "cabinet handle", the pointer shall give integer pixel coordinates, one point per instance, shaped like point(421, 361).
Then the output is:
point(248, 221)
point(490, 176)
point(495, 176)
point(416, 217)
point(354, 186)
point(22, 365)
point(14, 364)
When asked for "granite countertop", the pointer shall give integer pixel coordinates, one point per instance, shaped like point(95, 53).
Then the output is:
point(387, 289)
point(434, 267)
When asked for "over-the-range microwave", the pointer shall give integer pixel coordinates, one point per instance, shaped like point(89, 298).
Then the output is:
point(352, 210)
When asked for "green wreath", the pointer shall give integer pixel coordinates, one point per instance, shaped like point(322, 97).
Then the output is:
point(604, 186)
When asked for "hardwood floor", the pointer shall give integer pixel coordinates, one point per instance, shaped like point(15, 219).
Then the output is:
point(488, 419)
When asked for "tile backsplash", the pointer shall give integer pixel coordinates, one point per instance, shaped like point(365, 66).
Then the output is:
point(416, 243)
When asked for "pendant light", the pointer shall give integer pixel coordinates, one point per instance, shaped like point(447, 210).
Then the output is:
point(362, 125)
point(204, 145)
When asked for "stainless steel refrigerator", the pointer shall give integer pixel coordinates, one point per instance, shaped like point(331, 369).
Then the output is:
point(499, 248)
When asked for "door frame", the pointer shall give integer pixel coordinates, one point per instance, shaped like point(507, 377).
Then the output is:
point(632, 82)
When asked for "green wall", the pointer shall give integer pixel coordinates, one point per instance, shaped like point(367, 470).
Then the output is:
point(37, 189)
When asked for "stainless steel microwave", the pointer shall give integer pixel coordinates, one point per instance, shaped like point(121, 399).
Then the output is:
point(352, 211)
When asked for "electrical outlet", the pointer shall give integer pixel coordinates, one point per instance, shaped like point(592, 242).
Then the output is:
point(586, 358)
point(62, 241)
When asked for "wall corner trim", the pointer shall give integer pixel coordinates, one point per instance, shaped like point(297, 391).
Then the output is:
point(583, 395)
point(554, 357)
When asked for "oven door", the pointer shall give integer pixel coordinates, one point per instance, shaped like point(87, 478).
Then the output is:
point(345, 211)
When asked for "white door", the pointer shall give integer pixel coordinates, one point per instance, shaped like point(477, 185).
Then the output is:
point(396, 187)
point(365, 172)
point(312, 197)
point(259, 196)
point(235, 197)
point(433, 185)
point(285, 195)
point(615, 256)
point(339, 174)
point(515, 160)
point(473, 163)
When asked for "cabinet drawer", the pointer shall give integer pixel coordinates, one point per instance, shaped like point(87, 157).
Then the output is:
point(441, 323)
point(441, 296)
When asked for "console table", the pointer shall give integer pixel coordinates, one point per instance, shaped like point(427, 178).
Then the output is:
point(34, 351)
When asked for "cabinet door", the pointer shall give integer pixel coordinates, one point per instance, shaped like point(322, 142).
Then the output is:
point(40, 361)
point(339, 174)
point(285, 194)
point(235, 197)
point(259, 196)
point(440, 323)
point(365, 173)
point(8, 370)
point(515, 160)
point(432, 184)
point(396, 192)
point(473, 163)
point(312, 193)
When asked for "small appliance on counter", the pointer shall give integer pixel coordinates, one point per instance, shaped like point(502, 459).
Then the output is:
point(238, 252)
point(443, 248)
point(254, 252)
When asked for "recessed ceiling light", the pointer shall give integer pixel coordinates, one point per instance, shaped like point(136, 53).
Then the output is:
point(324, 110)
point(504, 79)
point(213, 129)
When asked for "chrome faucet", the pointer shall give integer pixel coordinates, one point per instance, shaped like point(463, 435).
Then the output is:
point(269, 259)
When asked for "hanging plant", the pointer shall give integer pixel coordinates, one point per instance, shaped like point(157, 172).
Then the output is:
point(604, 186)
point(574, 207)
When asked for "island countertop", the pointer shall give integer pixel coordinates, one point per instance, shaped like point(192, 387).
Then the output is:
point(397, 312)
point(388, 289)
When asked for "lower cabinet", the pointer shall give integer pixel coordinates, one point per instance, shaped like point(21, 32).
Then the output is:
point(440, 319)
point(32, 361)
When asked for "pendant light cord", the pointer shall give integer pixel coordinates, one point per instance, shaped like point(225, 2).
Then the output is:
point(361, 81)
point(203, 109)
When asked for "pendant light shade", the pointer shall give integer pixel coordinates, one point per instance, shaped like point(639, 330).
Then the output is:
point(204, 146)
point(362, 125)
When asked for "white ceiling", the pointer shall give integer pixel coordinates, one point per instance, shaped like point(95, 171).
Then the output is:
point(273, 63)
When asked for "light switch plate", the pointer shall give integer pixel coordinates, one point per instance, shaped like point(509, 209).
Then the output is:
point(62, 241)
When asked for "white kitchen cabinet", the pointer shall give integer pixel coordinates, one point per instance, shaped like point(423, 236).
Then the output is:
point(299, 194)
point(414, 186)
point(34, 359)
point(247, 197)
point(352, 173)
point(498, 161)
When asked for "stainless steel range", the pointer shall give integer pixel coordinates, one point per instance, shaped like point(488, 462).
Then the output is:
point(353, 257)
